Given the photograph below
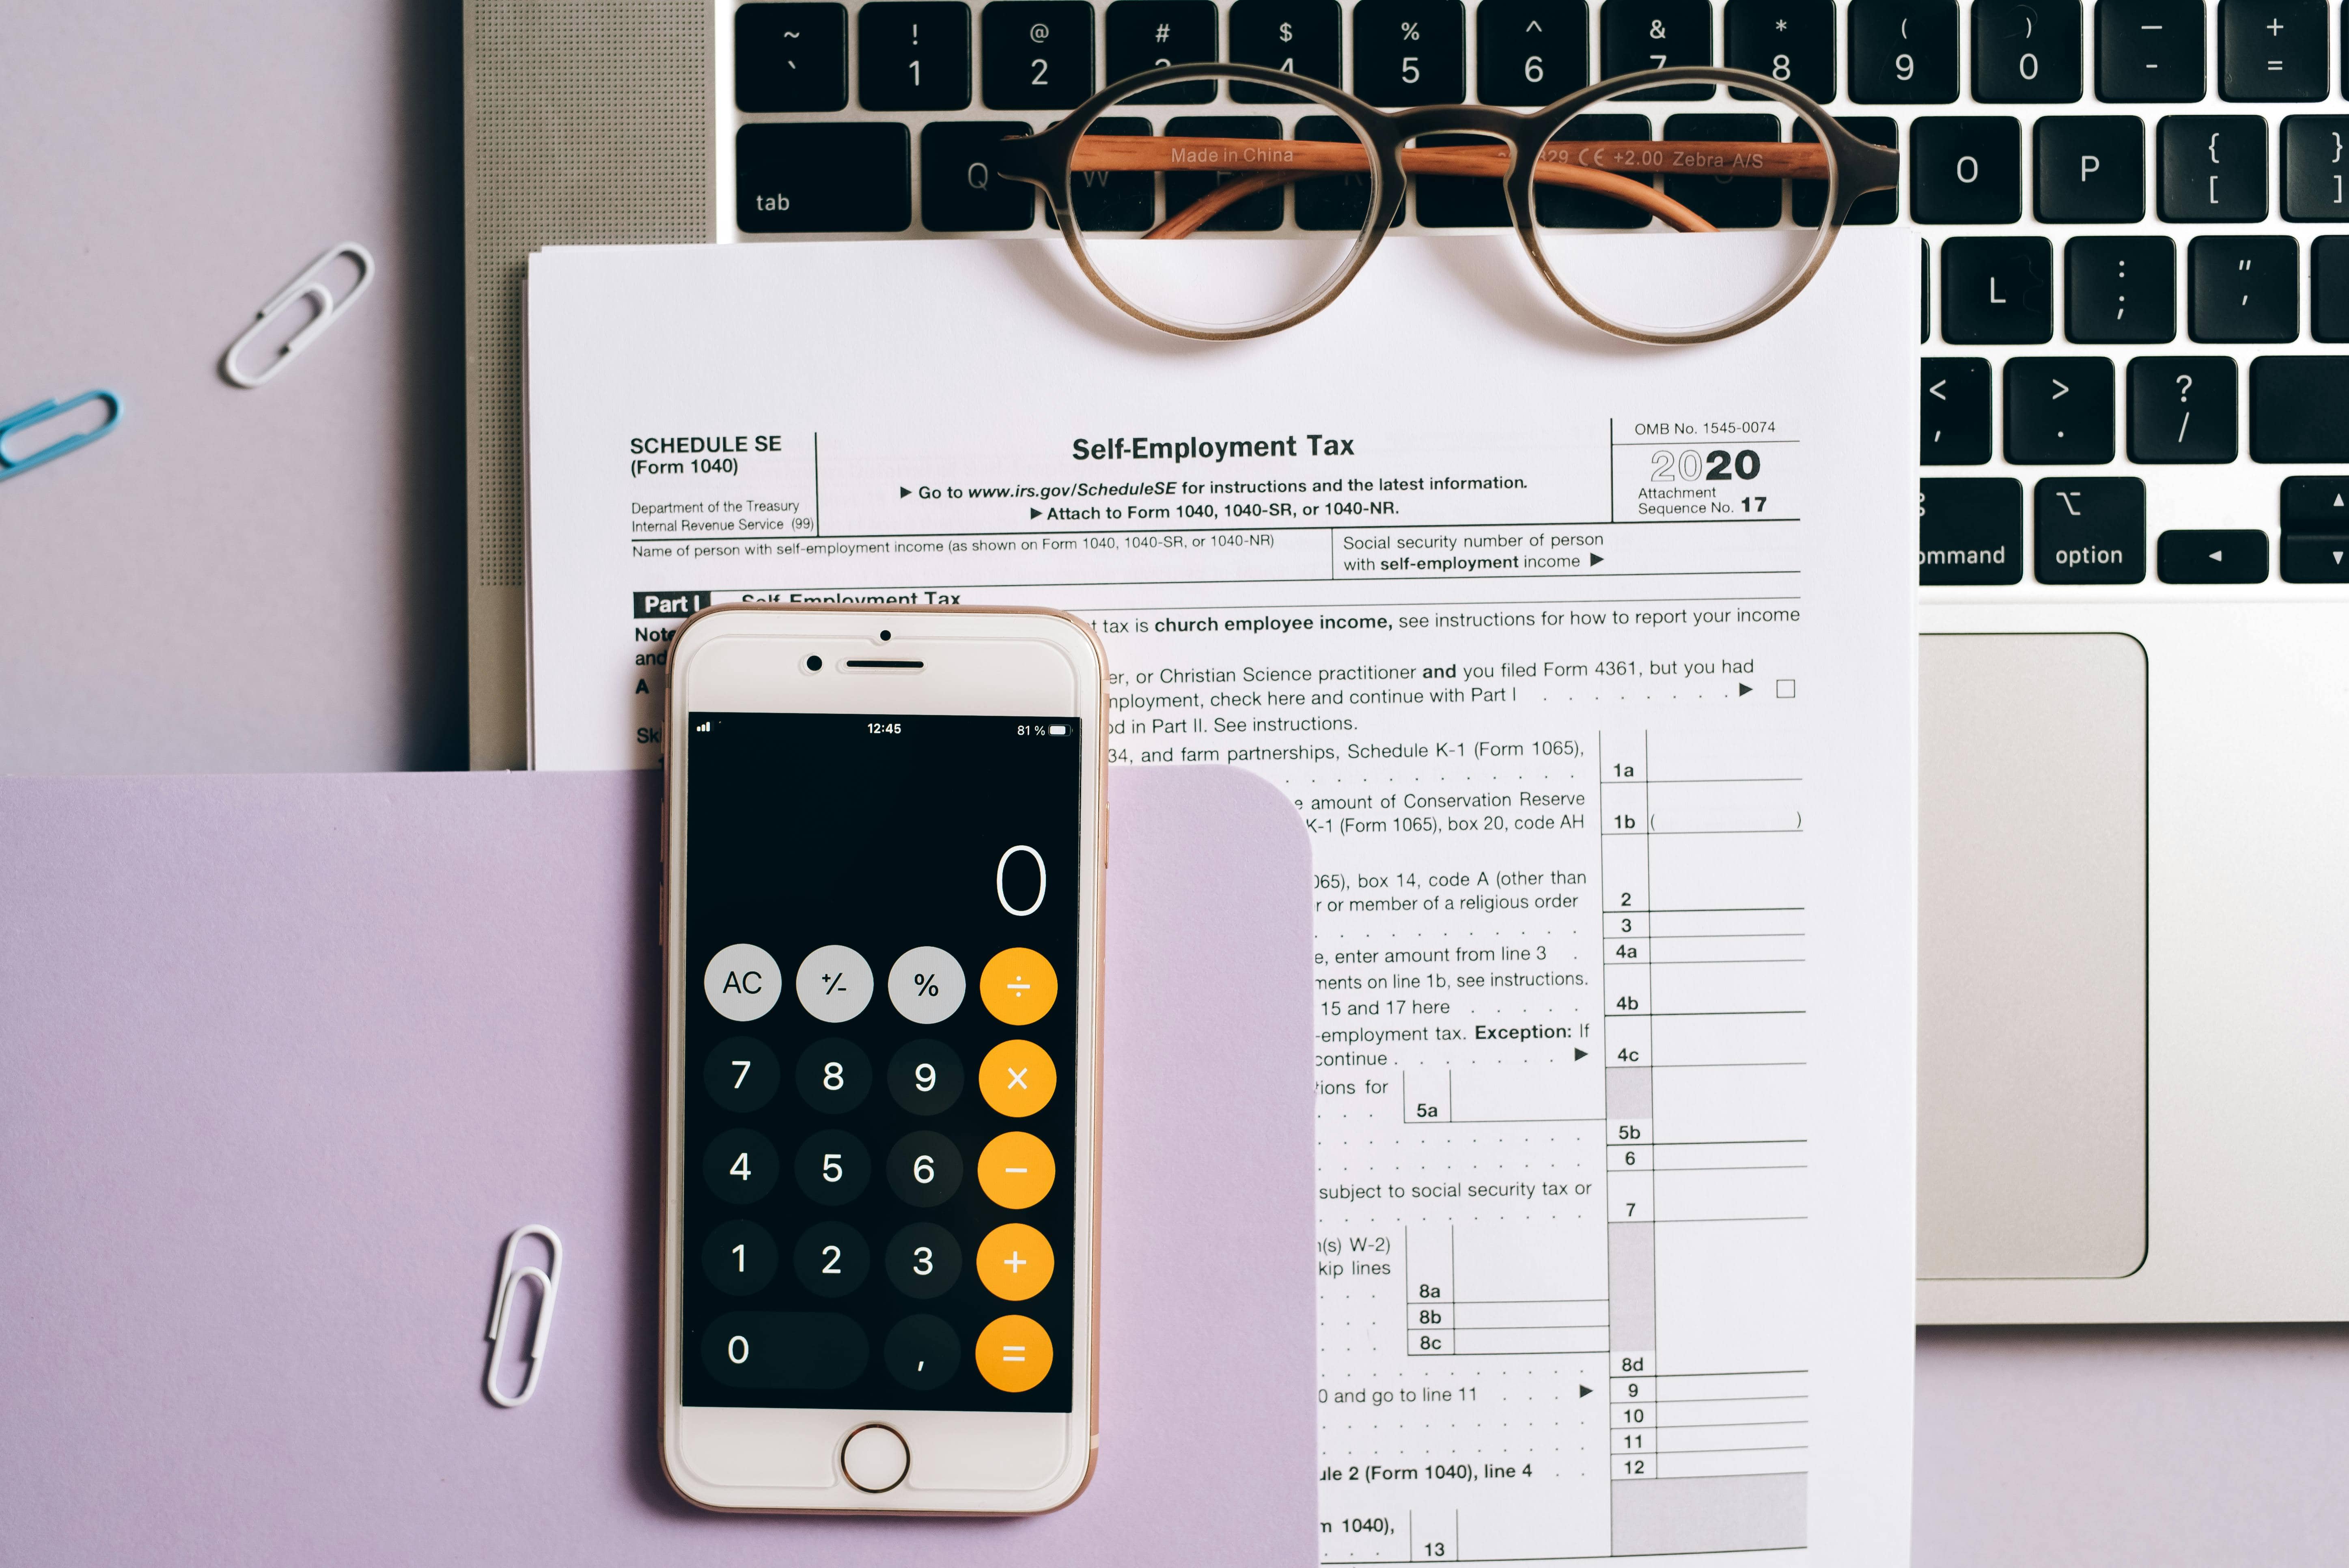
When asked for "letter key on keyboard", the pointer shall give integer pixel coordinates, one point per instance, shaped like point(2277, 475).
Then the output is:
point(2090, 169)
point(1966, 169)
point(1997, 289)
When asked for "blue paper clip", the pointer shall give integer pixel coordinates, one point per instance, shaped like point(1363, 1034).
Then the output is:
point(11, 467)
point(306, 286)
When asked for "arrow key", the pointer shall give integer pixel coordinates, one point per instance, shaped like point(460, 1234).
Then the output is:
point(2212, 555)
point(2316, 557)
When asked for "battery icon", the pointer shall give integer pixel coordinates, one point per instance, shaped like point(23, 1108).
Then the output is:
point(1060, 729)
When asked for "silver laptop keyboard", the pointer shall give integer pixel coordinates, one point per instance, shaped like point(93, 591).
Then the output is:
point(2135, 228)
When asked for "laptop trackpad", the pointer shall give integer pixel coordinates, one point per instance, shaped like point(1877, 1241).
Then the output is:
point(2031, 1083)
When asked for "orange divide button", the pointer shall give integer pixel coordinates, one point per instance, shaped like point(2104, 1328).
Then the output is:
point(1015, 1170)
point(1017, 1078)
point(1013, 1353)
point(1019, 986)
point(1015, 1262)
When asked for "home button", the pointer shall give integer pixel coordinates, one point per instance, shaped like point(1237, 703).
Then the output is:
point(874, 1458)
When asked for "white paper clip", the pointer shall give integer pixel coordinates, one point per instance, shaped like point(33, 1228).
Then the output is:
point(508, 1277)
point(306, 286)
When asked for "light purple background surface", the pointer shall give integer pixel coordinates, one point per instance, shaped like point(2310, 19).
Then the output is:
point(284, 1059)
point(271, 580)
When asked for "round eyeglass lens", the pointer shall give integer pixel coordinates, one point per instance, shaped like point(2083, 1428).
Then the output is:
point(1683, 210)
point(1218, 206)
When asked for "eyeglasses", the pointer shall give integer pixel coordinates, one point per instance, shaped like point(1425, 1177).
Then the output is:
point(1282, 187)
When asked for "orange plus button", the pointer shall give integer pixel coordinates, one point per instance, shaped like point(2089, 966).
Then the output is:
point(1018, 986)
point(1015, 1262)
point(1014, 1353)
point(1016, 1170)
point(1016, 1077)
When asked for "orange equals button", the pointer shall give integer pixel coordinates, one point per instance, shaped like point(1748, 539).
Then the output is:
point(1014, 1353)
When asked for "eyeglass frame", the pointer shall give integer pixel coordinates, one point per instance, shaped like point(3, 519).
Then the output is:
point(1854, 168)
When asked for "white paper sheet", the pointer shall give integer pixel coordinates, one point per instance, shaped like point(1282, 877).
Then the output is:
point(1590, 666)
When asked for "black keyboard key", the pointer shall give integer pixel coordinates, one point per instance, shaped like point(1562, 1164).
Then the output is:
point(2316, 557)
point(913, 55)
point(2121, 289)
point(1410, 52)
point(2211, 555)
point(2242, 288)
point(1530, 53)
point(2027, 51)
point(2297, 404)
point(2059, 410)
point(1334, 202)
point(1303, 37)
point(2088, 531)
point(2315, 517)
point(1036, 54)
point(1904, 51)
point(2314, 504)
point(1453, 202)
point(791, 58)
point(1952, 412)
point(1924, 291)
point(960, 190)
point(1641, 35)
point(824, 177)
point(2149, 51)
point(2214, 169)
point(2328, 289)
point(1143, 35)
point(2274, 51)
point(1110, 202)
point(1969, 532)
point(1998, 291)
point(1792, 41)
point(2315, 159)
point(1726, 202)
point(2181, 410)
point(1262, 210)
point(1562, 207)
point(1876, 206)
point(2090, 169)
point(1966, 169)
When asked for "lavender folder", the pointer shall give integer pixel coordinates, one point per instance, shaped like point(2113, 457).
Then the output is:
point(283, 1059)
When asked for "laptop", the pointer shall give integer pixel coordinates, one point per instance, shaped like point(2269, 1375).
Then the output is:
point(2133, 507)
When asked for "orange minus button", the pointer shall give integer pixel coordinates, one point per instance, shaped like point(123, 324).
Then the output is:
point(1014, 1353)
point(1015, 1170)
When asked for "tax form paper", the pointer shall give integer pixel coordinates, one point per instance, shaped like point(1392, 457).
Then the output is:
point(1590, 665)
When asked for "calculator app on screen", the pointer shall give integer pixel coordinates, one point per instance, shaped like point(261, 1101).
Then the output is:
point(881, 1094)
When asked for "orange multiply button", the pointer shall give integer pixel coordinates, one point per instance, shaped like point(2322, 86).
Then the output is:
point(1013, 1353)
point(1017, 1078)
point(1019, 986)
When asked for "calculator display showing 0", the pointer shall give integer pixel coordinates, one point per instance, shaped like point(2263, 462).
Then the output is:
point(881, 1083)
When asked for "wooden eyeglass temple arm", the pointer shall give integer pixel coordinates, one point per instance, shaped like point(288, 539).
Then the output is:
point(1601, 168)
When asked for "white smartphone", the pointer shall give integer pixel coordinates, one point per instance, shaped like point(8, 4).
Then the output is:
point(882, 843)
